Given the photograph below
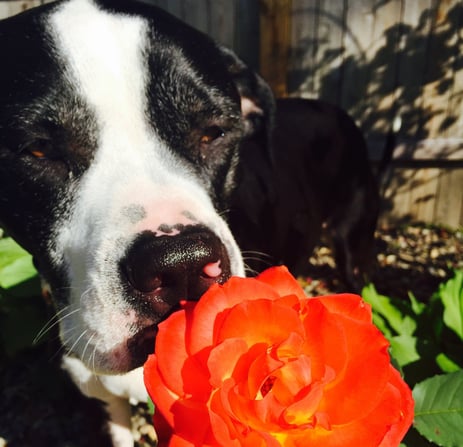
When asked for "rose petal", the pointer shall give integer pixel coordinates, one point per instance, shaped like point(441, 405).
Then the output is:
point(191, 421)
point(159, 393)
point(226, 431)
point(184, 374)
point(224, 360)
point(213, 306)
point(405, 406)
point(177, 441)
point(272, 323)
point(348, 305)
point(359, 385)
point(282, 282)
point(325, 342)
point(301, 412)
point(260, 369)
point(261, 415)
point(291, 379)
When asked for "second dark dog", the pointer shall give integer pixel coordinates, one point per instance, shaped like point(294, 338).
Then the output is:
point(312, 172)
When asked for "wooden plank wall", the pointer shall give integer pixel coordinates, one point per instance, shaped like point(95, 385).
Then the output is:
point(377, 59)
point(381, 59)
point(389, 59)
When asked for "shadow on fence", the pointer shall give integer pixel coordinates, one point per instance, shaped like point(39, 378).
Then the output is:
point(416, 75)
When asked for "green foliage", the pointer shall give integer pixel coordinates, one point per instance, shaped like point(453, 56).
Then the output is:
point(439, 409)
point(15, 264)
point(427, 345)
point(22, 311)
point(398, 322)
point(151, 407)
point(451, 294)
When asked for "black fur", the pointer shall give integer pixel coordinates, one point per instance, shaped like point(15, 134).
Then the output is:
point(314, 172)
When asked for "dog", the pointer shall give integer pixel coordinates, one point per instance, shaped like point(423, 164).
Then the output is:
point(126, 139)
point(120, 129)
point(310, 175)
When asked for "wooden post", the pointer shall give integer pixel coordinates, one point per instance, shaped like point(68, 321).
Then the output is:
point(275, 42)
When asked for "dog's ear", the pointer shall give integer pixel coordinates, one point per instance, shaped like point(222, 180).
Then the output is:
point(257, 100)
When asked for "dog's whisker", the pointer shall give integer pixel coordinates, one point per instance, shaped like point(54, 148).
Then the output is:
point(260, 254)
point(54, 321)
point(62, 349)
point(257, 258)
point(224, 213)
point(59, 317)
point(76, 342)
point(250, 272)
point(91, 356)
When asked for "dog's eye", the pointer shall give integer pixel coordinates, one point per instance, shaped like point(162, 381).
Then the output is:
point(40, 149)
point(210, 134)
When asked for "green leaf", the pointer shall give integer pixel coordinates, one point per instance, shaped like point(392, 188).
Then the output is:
point(446, 364)
point(389, 310)
point(439, 409)
point(451, 294)
point(151, 406)
point(15, 264)
point(417, 307)
point(404, 349)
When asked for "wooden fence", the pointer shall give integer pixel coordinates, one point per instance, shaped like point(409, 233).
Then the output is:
point(384, 61)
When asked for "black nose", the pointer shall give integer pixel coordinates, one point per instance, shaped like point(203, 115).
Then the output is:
point(162, 270)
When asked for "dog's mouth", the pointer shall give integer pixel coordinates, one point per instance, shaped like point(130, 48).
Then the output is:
point(141, 345)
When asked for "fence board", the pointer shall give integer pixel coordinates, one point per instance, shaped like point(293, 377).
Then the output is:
point(454, 119)
point(423, 195)
point(449, 206)
point(304, 48)
point(332, 51)
point(275, 22)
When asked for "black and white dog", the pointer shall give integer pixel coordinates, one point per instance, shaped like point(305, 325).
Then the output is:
point(120, 134)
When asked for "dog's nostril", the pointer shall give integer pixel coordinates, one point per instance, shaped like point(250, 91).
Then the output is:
point(212, 270)
point(167, 269)
point(142, 280)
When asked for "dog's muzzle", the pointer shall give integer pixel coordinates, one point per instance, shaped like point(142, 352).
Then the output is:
point(161, 271)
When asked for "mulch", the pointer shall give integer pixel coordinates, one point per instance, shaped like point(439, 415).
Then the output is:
point(39, 406)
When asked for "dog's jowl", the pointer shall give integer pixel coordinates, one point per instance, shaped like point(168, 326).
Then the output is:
point(119, 133)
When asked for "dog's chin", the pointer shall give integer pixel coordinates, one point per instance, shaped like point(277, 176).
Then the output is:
point(122, 358)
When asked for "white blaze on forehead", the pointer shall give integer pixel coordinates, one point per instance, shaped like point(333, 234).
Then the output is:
point(104, 51)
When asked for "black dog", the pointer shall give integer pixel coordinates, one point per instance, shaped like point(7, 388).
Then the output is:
point(311, 172)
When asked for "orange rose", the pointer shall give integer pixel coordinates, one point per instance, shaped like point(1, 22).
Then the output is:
point(257, 363)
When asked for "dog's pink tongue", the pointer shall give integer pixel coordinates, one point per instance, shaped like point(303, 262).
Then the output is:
point(212, 270)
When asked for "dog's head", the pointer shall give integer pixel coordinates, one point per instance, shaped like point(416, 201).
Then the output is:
point(119, 135)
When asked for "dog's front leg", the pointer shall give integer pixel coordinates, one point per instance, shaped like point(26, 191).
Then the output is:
point(115, 391)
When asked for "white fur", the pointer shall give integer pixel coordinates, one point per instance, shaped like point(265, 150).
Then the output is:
point(116, 391)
